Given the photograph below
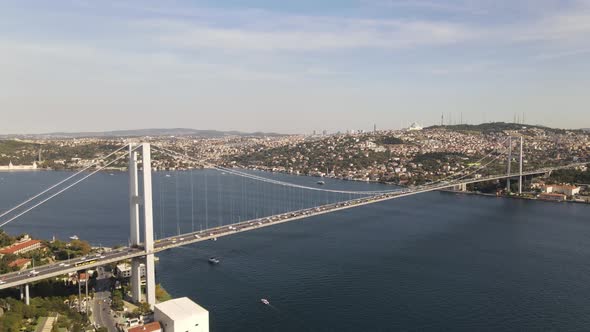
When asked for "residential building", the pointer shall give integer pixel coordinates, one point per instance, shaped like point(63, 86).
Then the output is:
point(21, 247)
point(21, 263)
point(123, 270)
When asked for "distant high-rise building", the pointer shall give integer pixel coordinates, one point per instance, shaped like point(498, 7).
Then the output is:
point(324, 132)
point(375, 128)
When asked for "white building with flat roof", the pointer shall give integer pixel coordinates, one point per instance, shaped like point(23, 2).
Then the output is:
point(123, 270)
point(181, 315)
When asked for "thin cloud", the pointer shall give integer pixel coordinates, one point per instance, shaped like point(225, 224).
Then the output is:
point(559, 55)
point(435, 6)
point(308, 34)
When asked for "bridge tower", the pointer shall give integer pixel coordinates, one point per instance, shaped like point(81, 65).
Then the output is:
point(509, 163)
point(135, 202)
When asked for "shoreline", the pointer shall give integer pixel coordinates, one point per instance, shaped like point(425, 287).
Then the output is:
point(472, 193)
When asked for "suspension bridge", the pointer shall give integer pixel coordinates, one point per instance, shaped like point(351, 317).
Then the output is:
point(143, 245)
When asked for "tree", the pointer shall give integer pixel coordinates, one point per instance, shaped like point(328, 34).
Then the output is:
point(161, 294)
point(144, 308)
point(82, 247)
point(117, 303)
point(5, 239)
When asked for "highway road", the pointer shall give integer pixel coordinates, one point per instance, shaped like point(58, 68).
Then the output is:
point(101, 311)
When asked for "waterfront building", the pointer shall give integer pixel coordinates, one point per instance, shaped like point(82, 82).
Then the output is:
point(181, 314)
point(562, 189)
point(12, 167)
point(21, 247)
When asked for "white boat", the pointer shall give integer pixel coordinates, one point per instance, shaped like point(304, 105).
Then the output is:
point(168, 175)
point(321, 182)
point(214, 260)
point(74, 237)
point(265, 301)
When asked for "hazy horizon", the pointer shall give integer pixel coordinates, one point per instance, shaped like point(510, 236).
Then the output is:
point(259, 65)
point(245, 132)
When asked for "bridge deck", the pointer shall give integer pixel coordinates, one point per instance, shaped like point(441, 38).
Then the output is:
point(52, 270)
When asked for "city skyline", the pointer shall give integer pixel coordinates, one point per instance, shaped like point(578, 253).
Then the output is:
point(291, 68)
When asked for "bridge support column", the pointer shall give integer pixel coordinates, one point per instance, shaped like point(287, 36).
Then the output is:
point(87, 279)
point(79, 295)
point(134, 199)
point(134, 239)
point(27, 300)
point(136, 280)
point(150, 280)
point(148, 227)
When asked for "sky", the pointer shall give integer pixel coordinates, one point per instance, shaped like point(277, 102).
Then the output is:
point(291, 66)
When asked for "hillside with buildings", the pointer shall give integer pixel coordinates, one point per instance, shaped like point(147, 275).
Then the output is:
point(416, 155)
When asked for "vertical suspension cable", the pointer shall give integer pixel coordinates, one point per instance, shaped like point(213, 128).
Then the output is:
point(206, 201)
point(219, 199)
point(161, 208)
point(192, 202)
point(177, 204)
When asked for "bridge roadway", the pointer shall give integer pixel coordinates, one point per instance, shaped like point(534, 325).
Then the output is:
point(14, 279)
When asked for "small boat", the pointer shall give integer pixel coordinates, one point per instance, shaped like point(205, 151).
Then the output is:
point(74, 237)
point(168, 175)
point(265, 301)
point(214, 260)
point(321, 182)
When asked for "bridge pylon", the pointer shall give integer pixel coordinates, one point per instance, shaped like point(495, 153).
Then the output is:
point(509, 163)
point(147, 223)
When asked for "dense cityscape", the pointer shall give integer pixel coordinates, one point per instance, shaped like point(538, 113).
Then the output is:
point(412, 156)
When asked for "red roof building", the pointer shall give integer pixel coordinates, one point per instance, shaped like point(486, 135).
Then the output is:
point(150, 327)
point(21, 247)
point(21, 263)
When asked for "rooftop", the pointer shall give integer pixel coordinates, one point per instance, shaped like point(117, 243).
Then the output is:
point(19, 262)
point(154, 326)
point(21, 245)
point(181, 308)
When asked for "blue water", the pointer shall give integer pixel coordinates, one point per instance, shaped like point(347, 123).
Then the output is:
point(428, 262)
